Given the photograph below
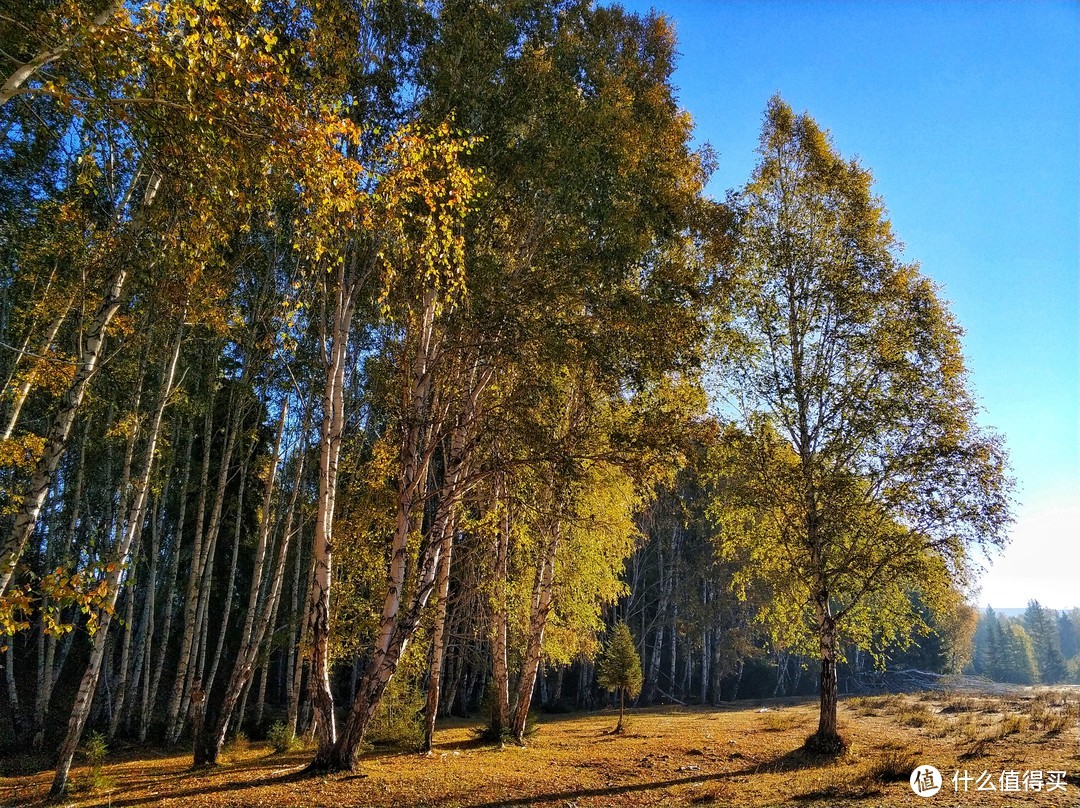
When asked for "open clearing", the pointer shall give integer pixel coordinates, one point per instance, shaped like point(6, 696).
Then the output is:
point(744, 755)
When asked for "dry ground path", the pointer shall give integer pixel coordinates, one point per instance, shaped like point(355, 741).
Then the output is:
point(745, 755)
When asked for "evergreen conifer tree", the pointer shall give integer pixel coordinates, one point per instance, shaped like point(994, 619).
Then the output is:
point(620, 667)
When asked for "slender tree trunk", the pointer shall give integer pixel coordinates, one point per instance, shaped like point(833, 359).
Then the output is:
point(500, 715)
point(705, 668)
point(266, 629)
point(13, 84)
point(131, 583)
point(170, 593)
point(454, 667)
point(12, 691)
point(226, 614)
point(542, 680)
point(557, 691)
point(302, 639)
point(206, 748)
point(665, 615)
point(53, 664)
point(335, 346)
point(128, 580)
point(267, 643)
point(191, 598)
point(81, 709)
point(425, 414)
point(384, 662)
point(418, 440)
point(653, 671)
point(140, 667)
point(23, 390)
point(241, 712)
point(739, 667)
point(541, 605)
point(438, 649)
point(674, 644)
point(583, 699)
point(446, 525)
point(197, 655)
point(688, 673)
point(46, 647)
point(254, 624)
point(390, 645)
point(293, 657)
point(716, 669)
point(288, 534)
point(43, 696)
point(56, 440)
point(263, 667)
point(438, 640)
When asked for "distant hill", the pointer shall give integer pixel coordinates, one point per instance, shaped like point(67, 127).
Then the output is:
point(1012, 612)
point(1019, 610)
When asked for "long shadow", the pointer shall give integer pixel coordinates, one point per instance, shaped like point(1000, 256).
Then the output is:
point(788, 762)
point(792, 761)
point(467, 743)
point(562, 797)
point(189, 773)
point(212, 788)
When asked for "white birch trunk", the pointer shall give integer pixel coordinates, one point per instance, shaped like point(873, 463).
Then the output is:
point(191, 597)
point(23, 389)
point(13, 84)
point(254, 624)
point(56, 441)
point(81, 709)
point(543, 591)
point(170, 595)
point(333, 424)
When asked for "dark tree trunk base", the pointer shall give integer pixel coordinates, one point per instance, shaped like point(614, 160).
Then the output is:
point(320, 767)
point(332, 765)
point(831, 745)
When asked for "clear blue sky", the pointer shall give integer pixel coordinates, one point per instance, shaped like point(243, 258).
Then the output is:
point(967, 114)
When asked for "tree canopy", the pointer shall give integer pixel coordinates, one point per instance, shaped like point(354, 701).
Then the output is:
point(362, 361)
point(857, 473)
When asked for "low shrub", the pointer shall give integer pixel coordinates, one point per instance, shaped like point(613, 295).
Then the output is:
point(95, 749)
point(281, 738)
point(398, 721)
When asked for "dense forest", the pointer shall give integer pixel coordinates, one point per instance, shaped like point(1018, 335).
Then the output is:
point(366, 361)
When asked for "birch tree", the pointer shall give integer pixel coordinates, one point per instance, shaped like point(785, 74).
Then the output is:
point(859, 472)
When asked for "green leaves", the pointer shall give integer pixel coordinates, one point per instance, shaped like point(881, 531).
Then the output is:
point(858, 473)
point(619, 667)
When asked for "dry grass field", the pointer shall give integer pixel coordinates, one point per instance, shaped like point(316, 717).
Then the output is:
point(745, 755)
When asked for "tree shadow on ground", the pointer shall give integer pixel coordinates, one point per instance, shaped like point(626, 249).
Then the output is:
point(791, 761)
point(795, 760)
point(292, 776)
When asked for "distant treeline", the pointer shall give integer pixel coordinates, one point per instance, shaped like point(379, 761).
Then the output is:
point(1040, 646)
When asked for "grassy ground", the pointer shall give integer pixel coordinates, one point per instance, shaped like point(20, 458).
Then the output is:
point(742, 756)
